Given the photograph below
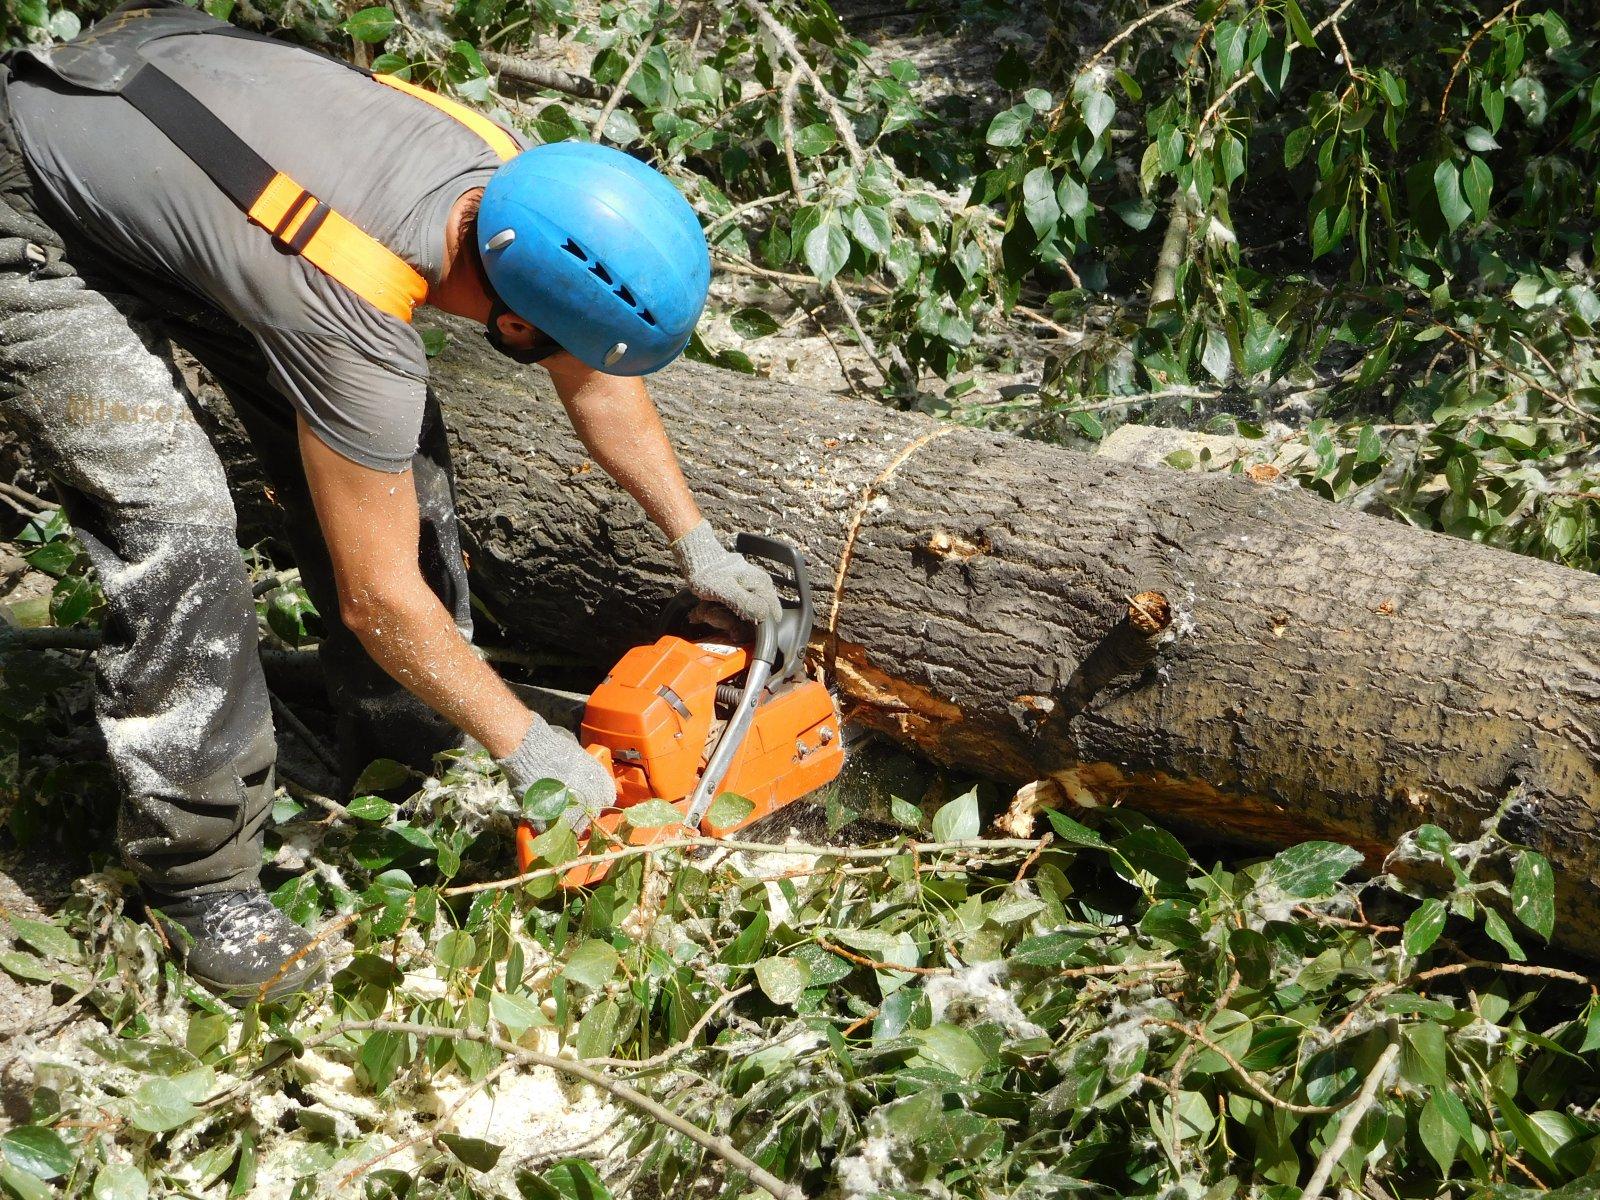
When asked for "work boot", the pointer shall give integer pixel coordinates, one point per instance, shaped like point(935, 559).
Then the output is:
point(236, 943)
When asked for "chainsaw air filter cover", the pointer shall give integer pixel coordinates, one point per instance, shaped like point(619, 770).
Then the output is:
point(657, 713)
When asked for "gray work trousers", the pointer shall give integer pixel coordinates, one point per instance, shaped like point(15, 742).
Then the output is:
point(179, 690)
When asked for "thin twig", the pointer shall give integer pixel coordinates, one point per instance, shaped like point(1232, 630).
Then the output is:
point(27, 497)
point(1243, 1073)
point(1357, 1109)
point(973, 846)
point(302, 731)
point(599, 126)
point(785, 40)
point(854, 529)
point(1466, 53)
point(673, 1052)
point(864, 961)
point(431, 1131)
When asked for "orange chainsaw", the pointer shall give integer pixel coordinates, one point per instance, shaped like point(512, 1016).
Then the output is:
point(686, 720)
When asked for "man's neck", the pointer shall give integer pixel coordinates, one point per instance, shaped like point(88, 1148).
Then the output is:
point(462, 289)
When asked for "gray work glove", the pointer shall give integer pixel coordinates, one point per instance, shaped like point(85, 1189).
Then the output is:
point(550, 753)
point(719, 576)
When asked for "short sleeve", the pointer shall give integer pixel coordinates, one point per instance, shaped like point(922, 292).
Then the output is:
point(359, 407)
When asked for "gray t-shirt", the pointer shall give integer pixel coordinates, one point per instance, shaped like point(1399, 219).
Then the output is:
point(389, 162)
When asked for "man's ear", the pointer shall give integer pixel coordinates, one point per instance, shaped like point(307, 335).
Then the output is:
point(514, 329)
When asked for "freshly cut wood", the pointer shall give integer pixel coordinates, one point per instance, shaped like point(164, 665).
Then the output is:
point(1313, 672)
point(1227, 653)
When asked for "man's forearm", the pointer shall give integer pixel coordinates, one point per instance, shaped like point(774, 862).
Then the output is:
point(412, 636)
point(617, 422)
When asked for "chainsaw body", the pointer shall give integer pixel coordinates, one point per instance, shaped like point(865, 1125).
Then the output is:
point(685, 720)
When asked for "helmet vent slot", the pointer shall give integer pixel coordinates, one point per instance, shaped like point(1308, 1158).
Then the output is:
point(648, 319)
point(627, 296)
point(599, 270)
point(572, 248)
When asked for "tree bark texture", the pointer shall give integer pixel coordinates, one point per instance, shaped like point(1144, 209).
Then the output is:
point(1313, 672)
point(1320, 673)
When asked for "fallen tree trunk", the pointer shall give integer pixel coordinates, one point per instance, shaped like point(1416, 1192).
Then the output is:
point(1316, 672)
point(1231, 655)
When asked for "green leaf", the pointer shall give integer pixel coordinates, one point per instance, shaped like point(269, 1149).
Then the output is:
point(572, 1179)
point(382, 1055)
point(905, 813)
point(827, 249)
point(161, 1105)
point(1424, 927)
point(652, 814)
point(1009, 127)
point(545, 800)
point(957, 821)
point(370, 808)
point(1423, 1058)
point(592, 964)
point(517, 1013)
point(24, 1185)
point(922, 208)
point(783, 979)
point(1180, 460)
point(953, 1048)
point(1478, 182)
point(1480, 139)
point(1440, 1133)
point(474, 1152)
point(597, 1032)
point(1495, 926)
point(120, 1181)
point(1311, 869)
point(1299, 26)
point(370, 24)
point(1533, 893)
point(728, 809)
point(1039, 201)
point(1217, 359)
point(1098, 109)
point(814, 140)
point(1447, 186)
point(1295, 146)
point(47, 939)
point(1074, 833)
point(381, 775)
point(38, 1150)
point(753, 322)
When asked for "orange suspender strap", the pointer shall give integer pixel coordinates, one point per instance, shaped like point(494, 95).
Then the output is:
point(501, 142)
point(344, 251)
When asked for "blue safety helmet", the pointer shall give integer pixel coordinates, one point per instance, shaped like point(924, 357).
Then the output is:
point(598, 251)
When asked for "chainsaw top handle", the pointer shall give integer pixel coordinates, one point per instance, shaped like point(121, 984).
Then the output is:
point(786, 640)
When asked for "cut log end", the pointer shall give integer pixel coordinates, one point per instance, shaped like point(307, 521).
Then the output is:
point(1149, 613)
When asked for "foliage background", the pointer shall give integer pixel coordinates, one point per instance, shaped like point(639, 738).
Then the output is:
point(1361, 237)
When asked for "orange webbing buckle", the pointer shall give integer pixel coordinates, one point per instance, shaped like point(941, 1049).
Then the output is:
point(304, 225)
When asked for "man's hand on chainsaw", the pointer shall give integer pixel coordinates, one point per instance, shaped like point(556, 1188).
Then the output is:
point(720, 577)
point(547, 752)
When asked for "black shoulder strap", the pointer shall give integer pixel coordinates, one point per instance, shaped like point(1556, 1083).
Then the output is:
point(217, 150)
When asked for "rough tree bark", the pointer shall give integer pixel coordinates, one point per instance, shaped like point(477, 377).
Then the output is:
point(1318, 673)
